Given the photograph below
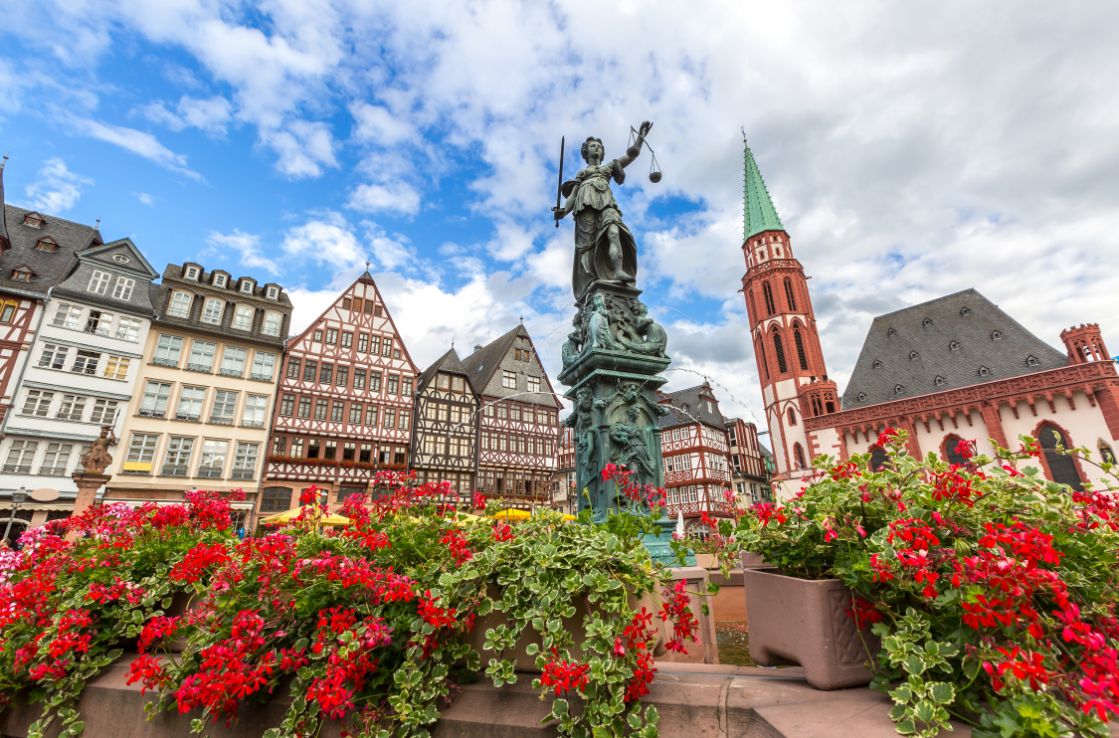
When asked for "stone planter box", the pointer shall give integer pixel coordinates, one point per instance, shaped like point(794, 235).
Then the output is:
point(802, 621)
point(752, 560)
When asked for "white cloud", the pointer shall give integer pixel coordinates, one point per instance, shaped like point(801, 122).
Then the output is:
point(304, 148)
point(375, 124)
point(138, 142)
point(247, 247)
point(55, 189)
point(327, 239)
point(211, 114)
point(395, 197)
point(144, 199)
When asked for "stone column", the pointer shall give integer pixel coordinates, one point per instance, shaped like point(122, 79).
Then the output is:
point(88, 484)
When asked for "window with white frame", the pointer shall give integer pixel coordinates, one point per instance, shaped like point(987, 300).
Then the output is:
point(273, 321)
point(244, 461)
point(233, 361)
point(53, 356)
point(272, 293)
point(179, 306)
point(168, 349)
point(190, 403)
point(99, 322)
point(153, 403)
point(128, 328)
point(264, 365)
point(225, 405)
point(116, 367)
point(176, 461)
point(56, 459)
point(104, 411)
point(191, 272)
point(71, 408)
point(243, 318)
point(68, 316)
point(141, 450)
point(85, 362)
point(38, 403)
point(508, 379)
point(20, 455)
point(99, 282)
point(201, 357)
point(221, 280)
point(533, 384)
point(254, 413)
point(122, 290)
point(212, 461)
point(212, 310)
point(247, 286)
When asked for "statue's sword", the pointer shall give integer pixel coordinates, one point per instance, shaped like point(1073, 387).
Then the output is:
point(559, 183)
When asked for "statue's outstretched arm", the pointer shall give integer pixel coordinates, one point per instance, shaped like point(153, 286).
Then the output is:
point(625, 159)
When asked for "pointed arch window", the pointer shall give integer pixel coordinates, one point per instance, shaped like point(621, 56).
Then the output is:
point(789, 294)
point(951, 450)
point(798, 456)
point(779, 349)
point(802, 357)
point(792, 416)
point(750, 304)
point(1062, 467)
point(760, 344)
point(817, 407)
point(1106, 454)
point(767, 293)
point(878, 457)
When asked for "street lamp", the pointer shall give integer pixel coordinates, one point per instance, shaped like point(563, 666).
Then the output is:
point(18, 498)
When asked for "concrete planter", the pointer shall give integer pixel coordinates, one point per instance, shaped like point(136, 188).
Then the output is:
point(752, 560)
point(802, 621)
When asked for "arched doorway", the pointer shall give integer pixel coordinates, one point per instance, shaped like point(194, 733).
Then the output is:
point(1062, 467)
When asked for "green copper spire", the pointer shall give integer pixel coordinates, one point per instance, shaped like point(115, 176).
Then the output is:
point(758, 213)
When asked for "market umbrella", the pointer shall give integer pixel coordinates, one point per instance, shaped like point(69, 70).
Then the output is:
point(512, 513)
point(289, 516)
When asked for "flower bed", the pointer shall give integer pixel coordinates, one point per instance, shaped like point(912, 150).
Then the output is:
point(993, 590)
point(366, 624)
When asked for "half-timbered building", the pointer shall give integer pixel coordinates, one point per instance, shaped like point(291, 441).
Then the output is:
point(695, 451)
point(200, 414)
point(344, 407)
point(519, 421)
point(565, 497)
point(749, 461)
point(445, 427)
point(83, 358)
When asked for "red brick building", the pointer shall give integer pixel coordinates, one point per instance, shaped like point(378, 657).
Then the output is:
point(953, 368)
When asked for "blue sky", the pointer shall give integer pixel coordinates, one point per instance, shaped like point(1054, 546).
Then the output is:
point(911, 150)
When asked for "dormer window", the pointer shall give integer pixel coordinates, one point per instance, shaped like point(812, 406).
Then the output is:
point(179, 306)
point(21, 274)
point(965, 311)
point(996, 336)
point(984, 371)
point(34, 220)
point(272, 293)
point(939, 381)
point(892, 331)
point(1031, 360)
point(877, 364)
point(926, 323)
point(247, 286)
point(898, 389)
point(191, 272)
point(913, 355)
point(860, 397)
point(221, 280)
point(46, 243)
point(954, 346)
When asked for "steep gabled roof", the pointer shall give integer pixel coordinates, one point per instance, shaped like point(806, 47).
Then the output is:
point(953, 341)
point(482, 364)
point(448, 363)
point(50, 267)
point(5, 243)
point(689, 406)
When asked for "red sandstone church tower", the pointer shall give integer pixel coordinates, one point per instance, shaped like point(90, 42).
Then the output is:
point(794, 377)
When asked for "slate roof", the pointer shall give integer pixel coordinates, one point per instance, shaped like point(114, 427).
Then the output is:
point(688, 406)
point(49, 267)
point(944, 344)
point(3, 210)
point(449, 363)
point(481, 365)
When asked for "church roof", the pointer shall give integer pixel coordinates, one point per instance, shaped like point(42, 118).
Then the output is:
point(49, 267)
point(693, 405)
point(449, 363)
point(951, 342)
point(758, 212)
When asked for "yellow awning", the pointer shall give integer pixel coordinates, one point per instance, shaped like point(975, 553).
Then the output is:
point(289, 516)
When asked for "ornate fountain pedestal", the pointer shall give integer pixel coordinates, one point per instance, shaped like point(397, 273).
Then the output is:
point(612, 365)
